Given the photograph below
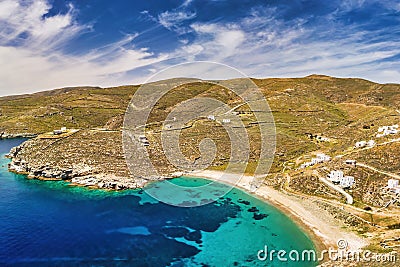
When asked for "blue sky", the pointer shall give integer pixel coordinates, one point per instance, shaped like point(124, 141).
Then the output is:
point(47, 44)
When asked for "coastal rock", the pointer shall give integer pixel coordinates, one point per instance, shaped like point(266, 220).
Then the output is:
point(80, 174)
point(13, 152)
point(5, 135)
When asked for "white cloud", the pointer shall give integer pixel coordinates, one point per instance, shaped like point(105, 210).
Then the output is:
point(263, 46)
point(23, 24)
point(32, 59)
point(32, 42)
point(218, 42)
point(172, 20)
point(351, 4)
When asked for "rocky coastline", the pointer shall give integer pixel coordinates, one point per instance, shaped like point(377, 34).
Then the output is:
point(78, 176)
point(4, 135)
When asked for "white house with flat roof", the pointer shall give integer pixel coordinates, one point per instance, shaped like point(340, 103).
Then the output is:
point(393, 183)
point(371, 143)
point(360, 144)
point(321, 157)
point(386, 130)
point(305, 165)
point(335, 176)
point(315, 161)
point(347, 181)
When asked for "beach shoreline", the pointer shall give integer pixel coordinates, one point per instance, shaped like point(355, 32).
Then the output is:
point(321, 228)
point(323, 231)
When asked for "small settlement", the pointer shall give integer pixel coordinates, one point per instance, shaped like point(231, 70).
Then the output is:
point(387, 130)
point(337, 177)
point(320, 157)
point(393, 185)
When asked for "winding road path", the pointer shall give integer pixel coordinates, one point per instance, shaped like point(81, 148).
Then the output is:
point(379, 171)
point(349, 198)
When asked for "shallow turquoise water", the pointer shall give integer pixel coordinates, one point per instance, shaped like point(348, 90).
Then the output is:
point(53, 224)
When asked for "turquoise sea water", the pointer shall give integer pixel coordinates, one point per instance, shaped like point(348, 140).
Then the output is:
point(54, 224)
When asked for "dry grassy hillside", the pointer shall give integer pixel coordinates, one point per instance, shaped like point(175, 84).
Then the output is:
point(312, 115)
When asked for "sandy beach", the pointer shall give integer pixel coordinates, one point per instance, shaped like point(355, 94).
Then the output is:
point(322, 228)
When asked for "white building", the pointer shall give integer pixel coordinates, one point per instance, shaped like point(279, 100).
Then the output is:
point(305, 165)
point(335, 176)
point(315, 161)
point(211, 117)
point(347, 181)
point(371, 143)
point(226, 120)
point(386, 130)
point(360, 144)
point(326, 139)
point(64, 129)
point(323, 157)
point(57, 132)
point(393, 183)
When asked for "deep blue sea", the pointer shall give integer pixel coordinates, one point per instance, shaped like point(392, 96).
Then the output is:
point(54, 224)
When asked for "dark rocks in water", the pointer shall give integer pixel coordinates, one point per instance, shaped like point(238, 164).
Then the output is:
point(37, 172)
point(245, 202)
point(259, 216)
point(216, 212)
point(253, 209)
point(175, 232)
point(194, 236)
